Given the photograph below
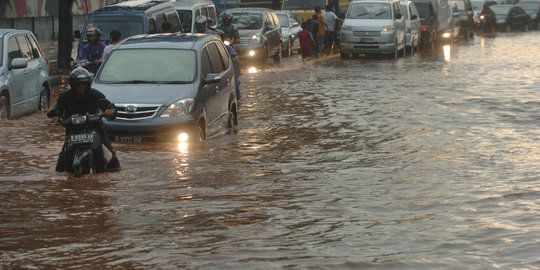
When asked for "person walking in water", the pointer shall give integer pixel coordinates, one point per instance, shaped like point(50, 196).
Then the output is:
point(306, 39)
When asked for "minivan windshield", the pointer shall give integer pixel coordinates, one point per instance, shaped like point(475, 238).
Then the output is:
point(186, 16)
point(500, 11)
point(127, 25)
point(283, 20)
point(370, 11)
point(134, 66)
point(529, 5)
point(303, 4)
point(247, 20)
point(476, 5)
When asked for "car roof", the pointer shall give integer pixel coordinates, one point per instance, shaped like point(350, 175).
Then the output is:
point(141, 5)
point(248, 10)
point(191, 4)
point(166, 41)
point(5, 31)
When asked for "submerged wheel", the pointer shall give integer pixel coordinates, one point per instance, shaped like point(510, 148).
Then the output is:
point(44, 99)
point(277, 56)
point(4, 107)
point(78, 171)
point(199, 135)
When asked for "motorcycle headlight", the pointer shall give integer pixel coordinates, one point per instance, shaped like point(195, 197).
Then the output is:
point(179, 108)
point(389, 28)
point(482, 17)
point(79, 119)
point(226, 42)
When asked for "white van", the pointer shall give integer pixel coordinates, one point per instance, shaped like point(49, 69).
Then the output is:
point(373, 26)
point(189, 10)
point(412, 25)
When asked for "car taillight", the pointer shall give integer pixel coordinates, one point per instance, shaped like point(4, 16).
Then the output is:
point(423, 29)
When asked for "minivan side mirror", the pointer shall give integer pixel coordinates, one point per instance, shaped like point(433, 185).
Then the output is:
point(414, 17)
point(212, 78)
point(455, 14)
point(77, 33)
point(295, 24)
point(18, 63)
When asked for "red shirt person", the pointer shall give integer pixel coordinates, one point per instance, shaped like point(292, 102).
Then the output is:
point(306, 38)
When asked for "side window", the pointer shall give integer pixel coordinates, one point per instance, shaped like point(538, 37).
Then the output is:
point(25, 47)
point(215, 58)
point(397, 10)
point(13, 49)
point(206, 67)
point(204, 12)
point(224, 54)
point(267, 20)
point(160, 19)
point(275, 19)
point(151, 26)
point(36, 53)
point(197, 13)
point(172, 18)
point(212, 14)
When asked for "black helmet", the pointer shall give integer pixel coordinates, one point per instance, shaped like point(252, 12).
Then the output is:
point(80, 75)
point(93, 31)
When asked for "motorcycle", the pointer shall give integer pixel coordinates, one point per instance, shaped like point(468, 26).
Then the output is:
point(84, 152)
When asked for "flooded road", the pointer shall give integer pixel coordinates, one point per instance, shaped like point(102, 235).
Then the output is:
point(427, 162)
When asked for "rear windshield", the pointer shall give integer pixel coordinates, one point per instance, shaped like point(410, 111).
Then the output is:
point(370, 11)
point(459, 5)
point(186, 16)
point(423, 12)
point(1, 50)
point(303, 4)
point(498, 10)
point(134, 66)
point(127, 25)
point(283, 20)
point(247, 20)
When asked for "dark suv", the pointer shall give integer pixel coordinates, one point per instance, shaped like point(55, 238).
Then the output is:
point(260, 34)
point(169, 86)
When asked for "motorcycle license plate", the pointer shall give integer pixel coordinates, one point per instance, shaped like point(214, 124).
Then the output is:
point(82, 138)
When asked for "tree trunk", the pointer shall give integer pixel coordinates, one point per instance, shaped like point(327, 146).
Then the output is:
point(65, 33)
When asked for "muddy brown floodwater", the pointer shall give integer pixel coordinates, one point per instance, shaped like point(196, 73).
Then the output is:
point(427, 162)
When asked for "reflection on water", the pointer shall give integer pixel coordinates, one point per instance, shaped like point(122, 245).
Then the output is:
point(365, 163)
point(253, 70)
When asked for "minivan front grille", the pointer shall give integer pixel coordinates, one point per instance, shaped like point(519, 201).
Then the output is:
point(366, 33)
point(136, 111)
point(244, 40)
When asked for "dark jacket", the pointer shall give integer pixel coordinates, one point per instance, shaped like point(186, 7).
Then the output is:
point(68, 103)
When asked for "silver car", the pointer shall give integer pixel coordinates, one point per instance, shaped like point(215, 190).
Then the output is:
point(373, 27)
point(290, 26)
point(24, 74)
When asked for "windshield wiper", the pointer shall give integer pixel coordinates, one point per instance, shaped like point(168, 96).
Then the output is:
point(132, 82)
point(174, 82)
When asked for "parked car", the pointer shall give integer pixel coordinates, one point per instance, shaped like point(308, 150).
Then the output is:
point(465, 12)
point(412, 25)
point(428, 30)
point(130, 18)
point(532, 8)
point(169, 87)
point(511, 18)
point(260, 34)
point(188, 11)
point(290, 26)
point(25, 86)
point(373, 27)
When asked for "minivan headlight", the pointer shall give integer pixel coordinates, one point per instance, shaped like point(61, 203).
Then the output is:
point(256, 37)
point(346, 28)
point(389, 28)
point(179, 108)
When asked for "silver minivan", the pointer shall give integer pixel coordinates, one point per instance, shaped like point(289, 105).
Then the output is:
point(412, 25)
point(24, 74)
point(373, 27)
point(188, 11)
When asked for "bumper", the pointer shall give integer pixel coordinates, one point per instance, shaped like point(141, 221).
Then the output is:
point(156, 129)
point(383, 43)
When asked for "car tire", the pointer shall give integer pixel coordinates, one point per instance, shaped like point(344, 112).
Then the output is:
point(44, 100)
point(277, 56)
point(288, 51)
point(233, 120)
point(4, 107)
point(200, 135)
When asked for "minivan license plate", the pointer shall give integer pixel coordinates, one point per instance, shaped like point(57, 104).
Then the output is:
point(128, 139)
point(82, 138)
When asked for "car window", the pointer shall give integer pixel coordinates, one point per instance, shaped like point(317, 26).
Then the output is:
point(172, 18)
point(215, 58)
point(151, 26)
point(186, 16)
point(36, 53)
point(206, 67)
point(404, 9)
point(127, 25)
point(1, 51)
point(167, 66)
point(204, 12)
point(397, 10)
point(13, 49)
point(197, 13)
point(359, 10)
point(212, 14)
point(284, 20)
point(247, 20)
point(224, 54)
point(160, 19)
point(24, 47)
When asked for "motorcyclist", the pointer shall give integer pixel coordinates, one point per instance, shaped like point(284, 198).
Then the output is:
point(93, 51)
point(488, 18)
point(201, 25)
point(231, 33)
point(236, 63)
point(82, 99)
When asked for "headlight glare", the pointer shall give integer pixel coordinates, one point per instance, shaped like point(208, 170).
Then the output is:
point(389, 28)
